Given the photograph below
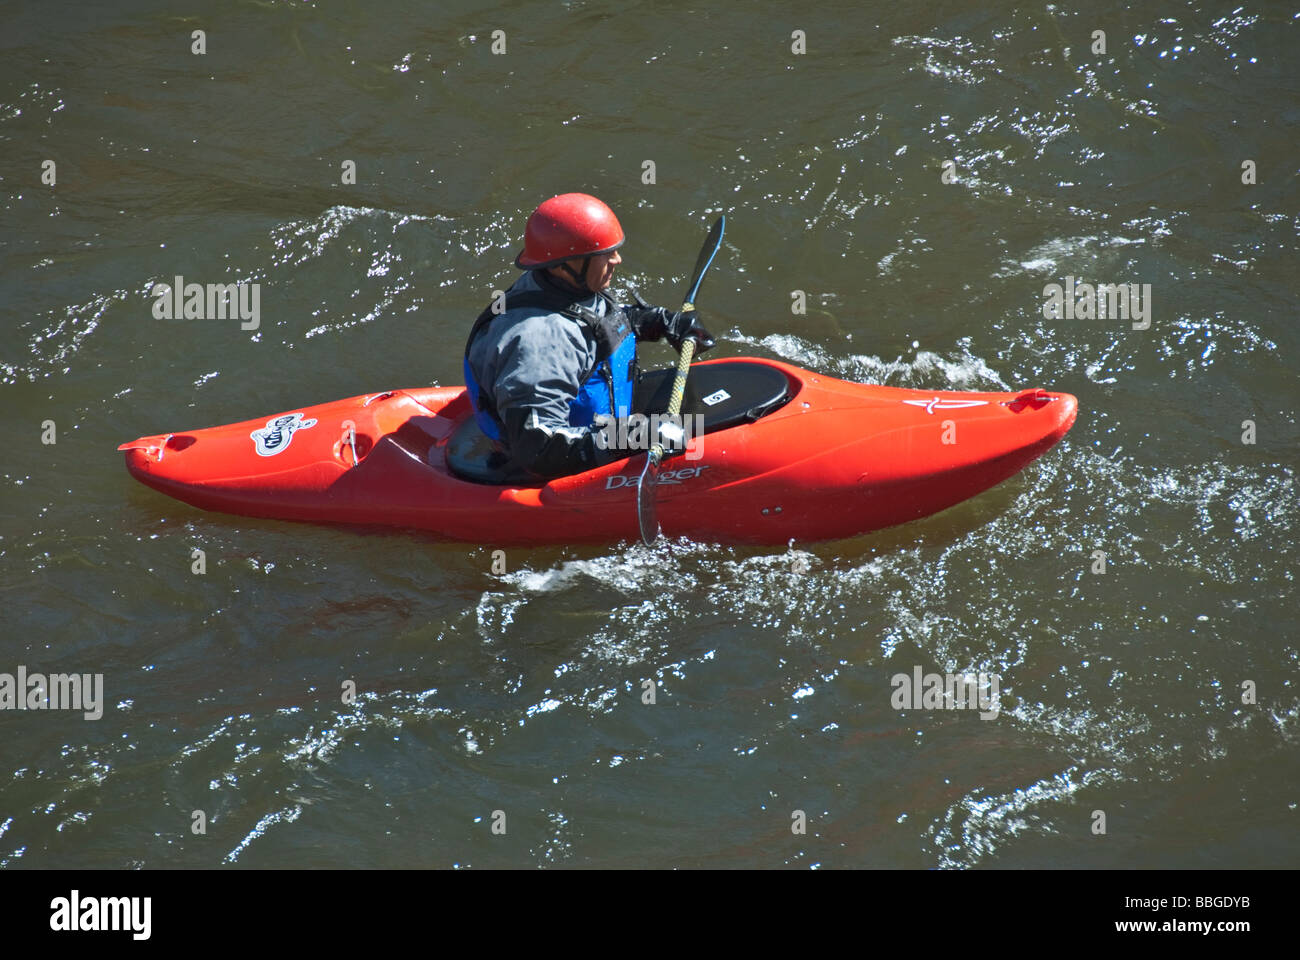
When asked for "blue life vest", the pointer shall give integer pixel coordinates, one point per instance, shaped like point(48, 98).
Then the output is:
point(606, 390)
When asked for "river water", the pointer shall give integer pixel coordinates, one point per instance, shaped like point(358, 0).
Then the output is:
point(1161, 692)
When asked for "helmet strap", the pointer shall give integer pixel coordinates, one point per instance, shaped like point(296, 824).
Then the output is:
point(579, 279)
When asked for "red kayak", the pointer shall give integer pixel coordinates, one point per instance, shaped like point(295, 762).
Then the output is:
point(785, 453)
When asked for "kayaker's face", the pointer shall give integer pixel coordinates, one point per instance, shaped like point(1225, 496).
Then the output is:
point(600, 272)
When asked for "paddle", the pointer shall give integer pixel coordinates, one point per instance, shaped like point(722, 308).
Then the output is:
point(645, 491)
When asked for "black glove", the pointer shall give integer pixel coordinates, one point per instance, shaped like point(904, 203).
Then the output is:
point(680, 326)
point(655, 323)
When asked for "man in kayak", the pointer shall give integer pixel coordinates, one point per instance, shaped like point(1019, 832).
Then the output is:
point(562, 352)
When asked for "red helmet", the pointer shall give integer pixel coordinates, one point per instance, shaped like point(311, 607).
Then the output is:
point(566, 227)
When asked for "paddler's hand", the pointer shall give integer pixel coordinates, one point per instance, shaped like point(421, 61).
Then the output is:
point(655, 323)
point(681, 326)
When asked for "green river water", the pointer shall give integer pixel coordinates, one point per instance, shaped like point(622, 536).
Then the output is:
point(1121, 691)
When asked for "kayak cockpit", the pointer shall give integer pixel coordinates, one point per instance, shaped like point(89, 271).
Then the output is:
point(724, 394)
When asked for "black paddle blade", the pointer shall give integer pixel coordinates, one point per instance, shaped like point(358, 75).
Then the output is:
point(707, 252)
point(645, 500)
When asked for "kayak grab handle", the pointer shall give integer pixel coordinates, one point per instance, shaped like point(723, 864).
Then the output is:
point(378, 396)
point(1037, 398)
point(156, 446)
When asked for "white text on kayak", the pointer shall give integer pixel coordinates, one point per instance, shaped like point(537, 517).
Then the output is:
point(667, 476)
point(57, 691)
point(946, 691)
point(1105, 301)
point(76, 913)
point(211, 301)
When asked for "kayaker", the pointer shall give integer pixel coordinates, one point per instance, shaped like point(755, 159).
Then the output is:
point(563, 351)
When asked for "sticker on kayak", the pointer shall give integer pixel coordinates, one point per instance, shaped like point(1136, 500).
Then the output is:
point(937, 404)
point(275, 436)
point(716, 397)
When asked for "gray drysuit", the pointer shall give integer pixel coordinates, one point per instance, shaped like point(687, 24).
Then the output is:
point(530, 365)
